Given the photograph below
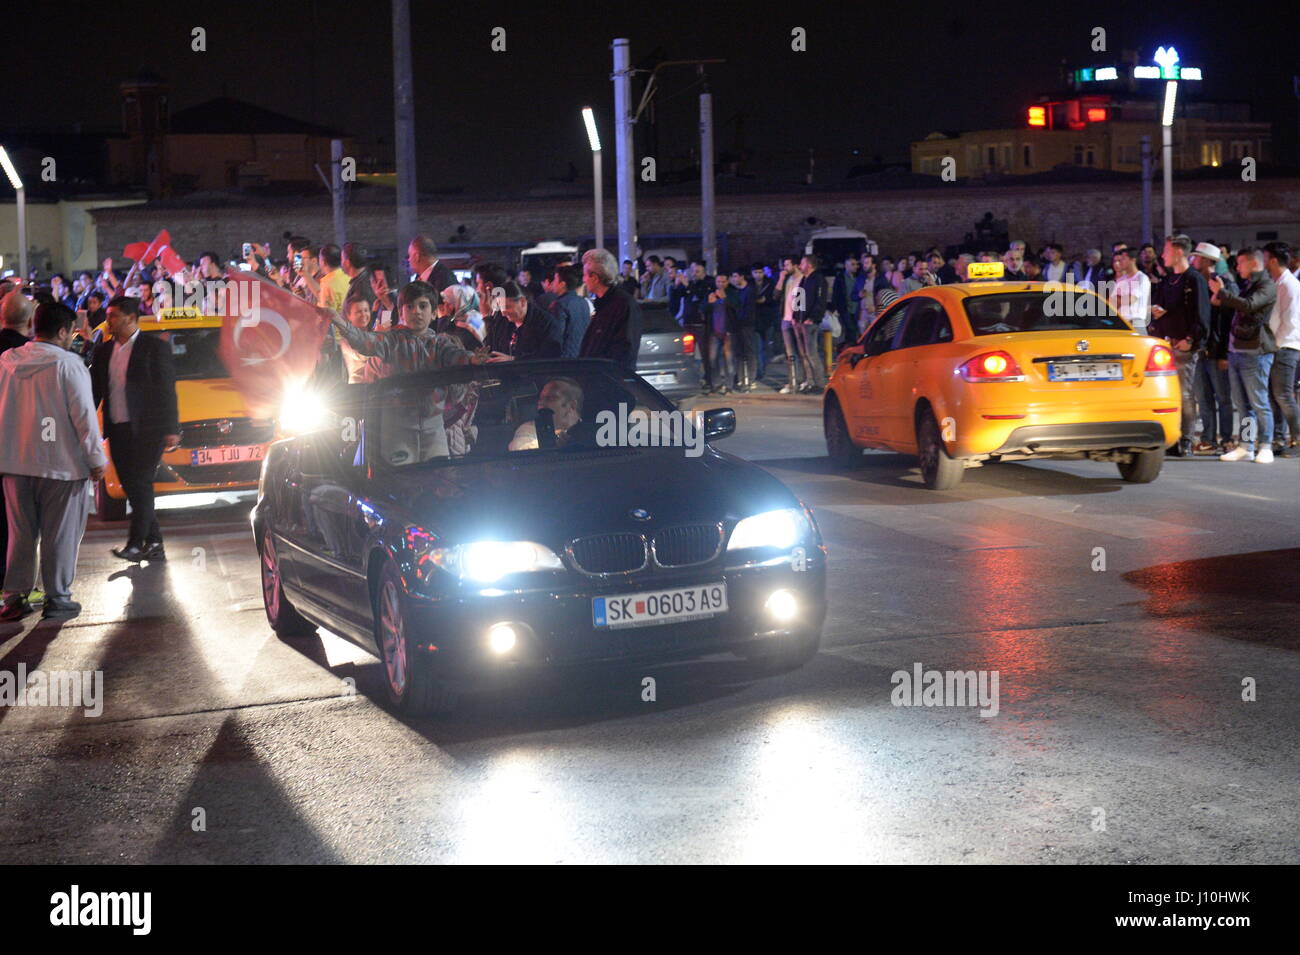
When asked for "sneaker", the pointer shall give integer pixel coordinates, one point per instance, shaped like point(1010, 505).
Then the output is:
point(1264, 456)
point(36, 596)
point(15, 607)
point(1204, 447)
point(1240, 454)
point(60, 608)
point(786, 390)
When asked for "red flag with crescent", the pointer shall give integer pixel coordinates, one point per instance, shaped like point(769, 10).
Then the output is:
point(270, 339)
point(146, 252)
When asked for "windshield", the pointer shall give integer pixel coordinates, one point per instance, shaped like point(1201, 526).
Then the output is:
point(1056, 311)
point(194, 352)
point(511, 410)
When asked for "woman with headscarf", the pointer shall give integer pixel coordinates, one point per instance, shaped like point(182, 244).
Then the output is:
point(460, 310)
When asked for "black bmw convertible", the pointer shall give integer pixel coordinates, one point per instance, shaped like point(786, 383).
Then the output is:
point(467, 522)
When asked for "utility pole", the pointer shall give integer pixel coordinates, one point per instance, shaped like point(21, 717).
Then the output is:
point(1146, 189)
point(336, 192)
point(404, 140)
point(624, 161)
point(708, 231)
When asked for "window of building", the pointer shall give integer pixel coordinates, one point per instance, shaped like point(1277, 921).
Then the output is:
point(1212, 153)
point(1240, 148)
point(972, 157)
point(991, 153)
point(1130, 154)
point(1027, 155)
point(1006, 157)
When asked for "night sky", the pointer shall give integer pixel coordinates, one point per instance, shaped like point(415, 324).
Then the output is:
point(873, 79)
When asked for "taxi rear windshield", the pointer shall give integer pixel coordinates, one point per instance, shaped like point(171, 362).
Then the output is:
point(1057, 311)
point(194, 352)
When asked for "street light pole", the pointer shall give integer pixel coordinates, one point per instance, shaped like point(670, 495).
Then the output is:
point(1167, 155)
point(623, 158)
point(708, 230)
point(593, 137)
point(16, 181)
point(404, 140)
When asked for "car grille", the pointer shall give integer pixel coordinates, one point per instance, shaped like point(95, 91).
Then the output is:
point(246, 472)
point(206, 434)
point(609, 553)
point(688, 544)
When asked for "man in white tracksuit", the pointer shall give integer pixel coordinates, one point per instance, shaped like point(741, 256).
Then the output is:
point(52, 445)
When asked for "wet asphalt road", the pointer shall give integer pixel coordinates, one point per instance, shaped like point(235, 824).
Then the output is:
point(1121, 734)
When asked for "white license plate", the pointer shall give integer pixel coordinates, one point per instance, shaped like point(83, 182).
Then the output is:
point(230, 454)
point(664, 379)
point(1085, 371)
point(659, 606)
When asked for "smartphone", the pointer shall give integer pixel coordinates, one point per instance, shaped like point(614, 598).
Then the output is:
point(248, 249)
point(545, 425)
point(297, 260)
point(245, 267)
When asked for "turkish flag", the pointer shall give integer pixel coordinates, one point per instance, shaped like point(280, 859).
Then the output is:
point(146, 252)
point(172, 263)
point(270, 339)
point(160, 242)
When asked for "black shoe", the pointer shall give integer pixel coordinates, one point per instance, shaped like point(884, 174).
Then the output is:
point(15, 608)
point(155, 551)
point(60, 608)
point(131, 552)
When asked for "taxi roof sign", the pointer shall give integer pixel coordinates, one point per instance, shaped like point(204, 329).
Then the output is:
point(179, 312)
point(984, 270)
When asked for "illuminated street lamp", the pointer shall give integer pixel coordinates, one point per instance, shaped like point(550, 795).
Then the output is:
point(593, 137)
point(17, 183)
point(1167, 131)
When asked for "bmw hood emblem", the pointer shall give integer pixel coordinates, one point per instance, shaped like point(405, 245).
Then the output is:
point(639, 514)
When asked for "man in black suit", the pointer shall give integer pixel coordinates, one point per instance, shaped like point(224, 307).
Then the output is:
point(135, 380)
point(422, 257)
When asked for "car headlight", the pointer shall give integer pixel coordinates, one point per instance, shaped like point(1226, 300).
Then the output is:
point(782, 529)
point(302, 410)
point(488, 561)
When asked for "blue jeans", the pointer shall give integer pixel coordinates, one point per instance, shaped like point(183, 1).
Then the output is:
point(1215, 395)
point(1249, 376)
point(1282, 385)
point(720, 361)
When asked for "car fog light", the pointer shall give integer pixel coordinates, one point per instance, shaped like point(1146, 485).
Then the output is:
point(502, 638)
point(782, 605)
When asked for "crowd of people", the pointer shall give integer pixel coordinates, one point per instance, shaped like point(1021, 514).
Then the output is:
point(1232, 319)
point(71, 350)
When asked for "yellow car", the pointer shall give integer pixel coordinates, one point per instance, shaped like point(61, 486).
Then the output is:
point(221, 445)
point(992, 371)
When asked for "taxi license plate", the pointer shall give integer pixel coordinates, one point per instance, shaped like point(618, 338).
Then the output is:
point(1085, 371)
point(231, 454)
point(659, 606)
point(664, 379)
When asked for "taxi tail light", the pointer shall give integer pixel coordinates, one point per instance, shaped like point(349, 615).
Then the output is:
point(1160, 362)
point(688, 344)
point(992, 366)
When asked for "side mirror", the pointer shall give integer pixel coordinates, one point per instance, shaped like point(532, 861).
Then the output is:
point(718, 423)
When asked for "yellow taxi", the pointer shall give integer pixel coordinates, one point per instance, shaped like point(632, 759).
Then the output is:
point(221, 445)
point(986, 371)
